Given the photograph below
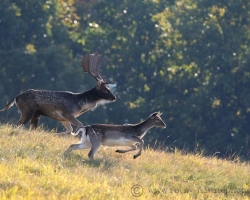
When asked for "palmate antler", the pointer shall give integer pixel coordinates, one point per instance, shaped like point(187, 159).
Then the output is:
point(90, 64)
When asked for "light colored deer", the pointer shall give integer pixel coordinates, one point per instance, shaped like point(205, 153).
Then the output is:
point(93, 136)
point(63, 106)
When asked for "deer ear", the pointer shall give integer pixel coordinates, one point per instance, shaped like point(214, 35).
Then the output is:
point(154, 114)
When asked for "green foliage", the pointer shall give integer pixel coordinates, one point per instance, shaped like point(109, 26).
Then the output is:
point(209, 42)
point(188, 59)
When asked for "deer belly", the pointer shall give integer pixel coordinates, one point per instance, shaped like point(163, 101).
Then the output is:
point(56, 115)
point(118, 142)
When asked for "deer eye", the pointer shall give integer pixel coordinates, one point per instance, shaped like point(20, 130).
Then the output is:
point(105, 90)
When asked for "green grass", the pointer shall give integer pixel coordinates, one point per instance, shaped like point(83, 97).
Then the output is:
point(32, 167)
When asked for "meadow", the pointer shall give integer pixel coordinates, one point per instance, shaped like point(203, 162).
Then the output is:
point(32, 166)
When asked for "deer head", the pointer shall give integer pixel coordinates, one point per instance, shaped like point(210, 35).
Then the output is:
point(104, 92)
point(90, 65)
point(156, 119)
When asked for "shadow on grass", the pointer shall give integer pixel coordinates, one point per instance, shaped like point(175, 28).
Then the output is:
point(102, 163)
point(7, 185)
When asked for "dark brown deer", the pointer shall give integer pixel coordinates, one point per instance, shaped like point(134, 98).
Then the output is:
point(62, 105)
point(93, 136)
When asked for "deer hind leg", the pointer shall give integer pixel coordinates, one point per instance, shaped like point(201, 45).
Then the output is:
point(79, 146)
point(95, 142)
point(34, 121)
point(24, 118)
point(84, 144)
point(132, 148)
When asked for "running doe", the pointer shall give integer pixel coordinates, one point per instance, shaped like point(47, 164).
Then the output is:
point(93, 136)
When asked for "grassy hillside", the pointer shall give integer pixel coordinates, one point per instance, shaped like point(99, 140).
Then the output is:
point(32, 167)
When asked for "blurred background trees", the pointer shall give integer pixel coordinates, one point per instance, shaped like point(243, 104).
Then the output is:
point(188, 59)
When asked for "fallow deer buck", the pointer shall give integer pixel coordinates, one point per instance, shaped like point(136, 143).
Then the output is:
point(93, 136)
point(63, 106)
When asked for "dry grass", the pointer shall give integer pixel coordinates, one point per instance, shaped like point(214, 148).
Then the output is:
point(32, 167)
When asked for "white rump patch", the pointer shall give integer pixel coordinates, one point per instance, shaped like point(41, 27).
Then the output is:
point(84, 139)
point(83, 130)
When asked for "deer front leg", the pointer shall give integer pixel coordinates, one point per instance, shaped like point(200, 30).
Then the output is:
point(70, 119)
point(68, 127)
point(132, 148)
point(74, 121)
point(93, 150)
point(141, 143)
point(95, 142)
point(140, 148)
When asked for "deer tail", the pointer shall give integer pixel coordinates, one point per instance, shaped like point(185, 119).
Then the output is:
point(9, 105)
point(83, 130)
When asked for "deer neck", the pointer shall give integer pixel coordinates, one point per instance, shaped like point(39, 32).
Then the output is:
point(144, 127)
point(88, 98)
